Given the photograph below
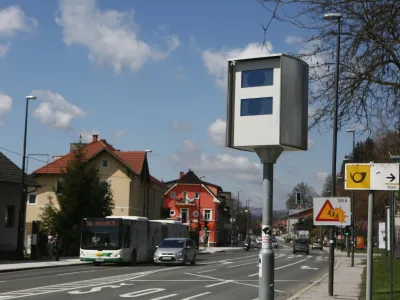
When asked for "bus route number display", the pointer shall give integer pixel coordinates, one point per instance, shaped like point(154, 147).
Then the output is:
point(101, 223)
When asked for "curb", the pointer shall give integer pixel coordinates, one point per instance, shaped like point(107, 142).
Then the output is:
point(305, 289)
point(43, 267)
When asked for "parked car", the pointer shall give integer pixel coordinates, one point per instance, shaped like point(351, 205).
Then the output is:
point(301, 245)
point(176, 251)
point(317, 245)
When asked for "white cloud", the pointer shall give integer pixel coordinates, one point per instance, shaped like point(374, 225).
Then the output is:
point(216, 131)
point(4, 48)
point(5, 106)
point(55, 111)
point(12, 21)
point(87, 136)
point(180, 126)
point(216, 61)
point(117, 134)
point(292, 40)
point(109, 35)
point(238, 168)
point(321, 176)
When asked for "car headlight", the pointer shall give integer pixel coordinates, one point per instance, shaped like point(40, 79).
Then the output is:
point(179, 254)
point(157, 254)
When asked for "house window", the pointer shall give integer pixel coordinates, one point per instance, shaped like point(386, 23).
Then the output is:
point(184, 215)
point(104, 163)
point(197, 195)
point(59, 182)
point(31, 199)
point(185, 195)
point(9, 219)
point(207, 214)
point(173, 194)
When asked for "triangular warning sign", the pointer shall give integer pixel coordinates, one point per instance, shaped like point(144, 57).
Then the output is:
point(326, 213)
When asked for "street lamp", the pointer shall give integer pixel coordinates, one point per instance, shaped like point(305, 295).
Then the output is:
point(334, 17)
point(198, 217)
point(353, 216)
point(23, 196)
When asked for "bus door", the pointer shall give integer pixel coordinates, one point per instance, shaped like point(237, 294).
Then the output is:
point(126, 242)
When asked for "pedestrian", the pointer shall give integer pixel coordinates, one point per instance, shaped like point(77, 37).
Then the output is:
point(50, 245)
point(57, 245)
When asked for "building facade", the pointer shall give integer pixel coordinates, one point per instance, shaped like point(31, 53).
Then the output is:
point(195, 202)
point(135, 191)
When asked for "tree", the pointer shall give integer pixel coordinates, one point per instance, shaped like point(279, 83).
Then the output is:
point(307, 192)
point(81, 193)
point(327, 187)
point(369, 58)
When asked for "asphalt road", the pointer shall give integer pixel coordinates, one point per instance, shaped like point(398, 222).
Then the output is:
point(217, 276)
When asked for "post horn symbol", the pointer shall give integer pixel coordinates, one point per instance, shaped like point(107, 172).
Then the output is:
point(358, 177)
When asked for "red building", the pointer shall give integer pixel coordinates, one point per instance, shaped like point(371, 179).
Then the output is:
point(194, 201)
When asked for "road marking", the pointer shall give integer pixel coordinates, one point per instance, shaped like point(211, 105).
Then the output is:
point(281, 267)
point(245, 264)
point(198, 295)
point(307, 268)
point(77, 285)
point(219, 283)
point(207, 271)
point(142, 293)
point(62, 274)
point(164, 297)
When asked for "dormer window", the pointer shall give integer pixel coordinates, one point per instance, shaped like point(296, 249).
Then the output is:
point(104, 163)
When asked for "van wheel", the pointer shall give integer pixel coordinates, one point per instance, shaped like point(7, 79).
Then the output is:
point(133, 258)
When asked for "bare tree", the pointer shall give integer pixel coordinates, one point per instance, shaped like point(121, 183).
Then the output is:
point(369, 59)
point(308, 193)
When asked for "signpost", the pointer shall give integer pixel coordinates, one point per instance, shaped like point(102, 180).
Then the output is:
point(372, 177)
point(267, 114)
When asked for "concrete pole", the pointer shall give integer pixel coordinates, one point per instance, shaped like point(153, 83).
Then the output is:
point(370, 245)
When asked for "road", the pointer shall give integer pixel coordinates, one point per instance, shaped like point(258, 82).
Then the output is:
point(216, 276)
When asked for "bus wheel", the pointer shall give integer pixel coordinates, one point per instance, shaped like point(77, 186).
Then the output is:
point(133, 258)
point(96, 263)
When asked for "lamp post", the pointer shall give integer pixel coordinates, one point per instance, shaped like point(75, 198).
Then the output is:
point(334, 17)
point(146, 200)
point(353, 216)
point(198, 217)
point(23, 197)
point(238, 207)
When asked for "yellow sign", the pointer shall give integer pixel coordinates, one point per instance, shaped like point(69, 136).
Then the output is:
point(99, 253)
point(357, 177)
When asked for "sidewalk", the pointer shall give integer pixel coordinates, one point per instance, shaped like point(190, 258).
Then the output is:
point(346, 283)
point(10, 266)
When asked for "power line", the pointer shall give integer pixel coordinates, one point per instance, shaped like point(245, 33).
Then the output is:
point(14, 152)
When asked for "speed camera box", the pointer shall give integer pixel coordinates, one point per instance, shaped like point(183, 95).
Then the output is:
point(267, 103)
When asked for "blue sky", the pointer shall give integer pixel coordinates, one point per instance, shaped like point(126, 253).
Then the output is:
point(144, 75)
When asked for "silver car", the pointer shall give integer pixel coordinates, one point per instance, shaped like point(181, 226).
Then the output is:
point(175, 251)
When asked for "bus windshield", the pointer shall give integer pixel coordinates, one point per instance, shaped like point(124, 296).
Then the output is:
point(101, 237)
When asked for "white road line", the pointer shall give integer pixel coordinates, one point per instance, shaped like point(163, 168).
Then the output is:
point(198, 295)
point(281, 267)
point(219, 283)
point(62, 274)
point(207, 271)
point(235, 266)
point(165, 297)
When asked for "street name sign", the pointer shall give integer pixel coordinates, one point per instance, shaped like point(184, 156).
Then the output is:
point(333, 211)
point(376, 177)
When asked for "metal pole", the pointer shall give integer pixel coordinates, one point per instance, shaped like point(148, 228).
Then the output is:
point(387, 214)
point(370, 245)
point(267, 255)
point(353, 208)
point(198, 220)
point(334, 154)
point(391, 239)
point(22, 206)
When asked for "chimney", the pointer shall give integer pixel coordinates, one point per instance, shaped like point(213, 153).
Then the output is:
point(95, 138)
point(180, 175)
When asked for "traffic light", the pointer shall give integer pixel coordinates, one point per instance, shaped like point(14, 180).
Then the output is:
point(347, 230)
point(298, 198)
point(205, 225)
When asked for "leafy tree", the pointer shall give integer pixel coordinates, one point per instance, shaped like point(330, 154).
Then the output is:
point(81, 193)
point(369, 58)
point(307, 192)
point(327, 187)
point(48, 216)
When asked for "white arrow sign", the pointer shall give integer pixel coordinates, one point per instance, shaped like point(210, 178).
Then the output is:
point(308, 268)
